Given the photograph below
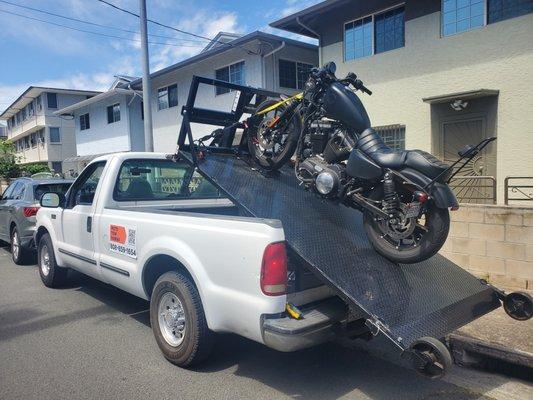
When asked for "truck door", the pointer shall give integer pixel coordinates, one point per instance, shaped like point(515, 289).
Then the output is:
point(77, 245)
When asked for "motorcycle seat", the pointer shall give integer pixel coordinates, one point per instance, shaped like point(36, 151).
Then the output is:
point(371, 143)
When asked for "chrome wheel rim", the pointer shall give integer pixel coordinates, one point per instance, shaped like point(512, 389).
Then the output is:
point(171, 318)
point(15, 245)
point(45, 260)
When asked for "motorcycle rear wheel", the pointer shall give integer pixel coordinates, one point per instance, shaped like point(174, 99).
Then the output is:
point(437, 223)
point(273, 160)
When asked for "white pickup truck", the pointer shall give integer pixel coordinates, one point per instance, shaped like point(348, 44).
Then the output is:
point(158, 229)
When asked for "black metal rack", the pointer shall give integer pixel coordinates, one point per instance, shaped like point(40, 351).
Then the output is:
point(403, 302)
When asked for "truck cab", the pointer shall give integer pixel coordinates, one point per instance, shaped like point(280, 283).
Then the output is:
point(157, 228)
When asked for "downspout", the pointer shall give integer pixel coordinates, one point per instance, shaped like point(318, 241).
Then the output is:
point(275, 50)
point(299, 22)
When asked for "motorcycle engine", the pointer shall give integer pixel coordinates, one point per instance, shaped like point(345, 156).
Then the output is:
point(328, 138)
point(326, 179)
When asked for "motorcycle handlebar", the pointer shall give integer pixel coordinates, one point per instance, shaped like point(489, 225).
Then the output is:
point(351, 78)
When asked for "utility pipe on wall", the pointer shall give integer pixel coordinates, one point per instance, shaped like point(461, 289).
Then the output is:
point(275, 50)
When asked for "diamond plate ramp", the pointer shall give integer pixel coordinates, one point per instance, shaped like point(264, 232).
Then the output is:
point(430, 298)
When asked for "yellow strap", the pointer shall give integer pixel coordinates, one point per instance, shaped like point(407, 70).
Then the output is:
point(293, 311)
point(298, 96)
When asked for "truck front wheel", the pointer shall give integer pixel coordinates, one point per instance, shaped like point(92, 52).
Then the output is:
point(178, 320)
point(51, 274)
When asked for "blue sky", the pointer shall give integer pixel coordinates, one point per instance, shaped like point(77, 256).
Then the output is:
point(35, 53)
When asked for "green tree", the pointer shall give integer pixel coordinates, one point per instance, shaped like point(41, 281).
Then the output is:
point(8, 160)
point(35, 168)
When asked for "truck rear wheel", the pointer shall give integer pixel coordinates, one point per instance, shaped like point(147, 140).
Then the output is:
point(178, 320)
point(51, 274)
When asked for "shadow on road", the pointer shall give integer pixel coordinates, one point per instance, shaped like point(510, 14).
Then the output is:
point(326, 371)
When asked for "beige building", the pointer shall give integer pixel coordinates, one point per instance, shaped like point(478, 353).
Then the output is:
point(444, 74)
point(38, 134)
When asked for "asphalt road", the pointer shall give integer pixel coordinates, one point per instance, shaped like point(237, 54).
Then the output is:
point(91, 341)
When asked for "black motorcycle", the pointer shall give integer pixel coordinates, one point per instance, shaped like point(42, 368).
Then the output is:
point(403, 195)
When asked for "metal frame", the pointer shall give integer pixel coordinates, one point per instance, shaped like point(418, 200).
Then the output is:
point(517, 188)
point(249, 99)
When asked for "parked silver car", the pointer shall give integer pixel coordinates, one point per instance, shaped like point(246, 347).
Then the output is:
point(18, 206)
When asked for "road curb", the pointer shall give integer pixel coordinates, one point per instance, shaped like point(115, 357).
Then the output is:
point(470, 352)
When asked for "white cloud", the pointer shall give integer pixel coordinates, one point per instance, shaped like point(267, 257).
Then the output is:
point(204, 23)
point(100, 80)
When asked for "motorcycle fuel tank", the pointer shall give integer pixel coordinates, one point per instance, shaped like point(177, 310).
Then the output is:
point(342, 104)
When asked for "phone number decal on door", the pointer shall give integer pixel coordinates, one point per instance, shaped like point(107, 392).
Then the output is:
point(123, 240)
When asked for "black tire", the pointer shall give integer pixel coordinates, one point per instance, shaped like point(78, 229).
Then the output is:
point(291, 143)
point(431, 359)
point(53, 275)
point(197, 339)
point(518, 305)
point(19, 254)
point(438, 225)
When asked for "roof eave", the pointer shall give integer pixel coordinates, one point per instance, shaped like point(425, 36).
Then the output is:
point(256, 35)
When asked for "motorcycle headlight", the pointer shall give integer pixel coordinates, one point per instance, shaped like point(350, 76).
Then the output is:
point(325, 182)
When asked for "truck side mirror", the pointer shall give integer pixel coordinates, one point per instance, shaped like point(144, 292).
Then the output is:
point(53, 200)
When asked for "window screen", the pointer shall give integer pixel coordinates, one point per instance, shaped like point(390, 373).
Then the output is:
point(389, 30)
point(462, 15)
point(287, 74)
point(499, 10)
point(358, 39)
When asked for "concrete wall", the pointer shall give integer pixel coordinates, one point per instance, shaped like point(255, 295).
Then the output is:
point(494, 243)
point(103, 137)
point(498, 56)
point(167, 122)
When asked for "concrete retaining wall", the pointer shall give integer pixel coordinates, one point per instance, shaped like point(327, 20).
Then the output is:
point(493, 242)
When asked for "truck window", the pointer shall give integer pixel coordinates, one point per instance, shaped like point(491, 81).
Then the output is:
point(84, 187)
point(143, 180)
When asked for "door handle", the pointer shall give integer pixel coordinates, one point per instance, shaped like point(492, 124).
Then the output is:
point(89, 224)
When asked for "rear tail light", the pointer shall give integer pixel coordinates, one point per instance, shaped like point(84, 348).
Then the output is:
point(274, 270)
point(30, 211)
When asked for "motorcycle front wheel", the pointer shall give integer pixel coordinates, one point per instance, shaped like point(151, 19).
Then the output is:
point(426, 236)
point(271, 148)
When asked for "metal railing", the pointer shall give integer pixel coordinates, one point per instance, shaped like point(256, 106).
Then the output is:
point(474, 189)
point(524, 191)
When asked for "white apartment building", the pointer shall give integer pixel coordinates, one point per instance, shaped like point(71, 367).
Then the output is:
point(113, 121)
point(40, 136)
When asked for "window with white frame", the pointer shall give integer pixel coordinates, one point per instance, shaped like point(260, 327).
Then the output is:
point(55, 135)
point(167, 97)
point(33, 139)
point(374, 34)
point(85, 123)
point(293, 74)
point(39, 103)
point(40, 136)
point(234, 73)
point(113, 113)
point(51, 100)
point(462, 15)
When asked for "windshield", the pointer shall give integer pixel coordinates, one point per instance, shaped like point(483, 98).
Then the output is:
point(41, 189)
point(141, 180)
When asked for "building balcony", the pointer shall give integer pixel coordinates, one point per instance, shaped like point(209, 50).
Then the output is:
point(30, 125)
